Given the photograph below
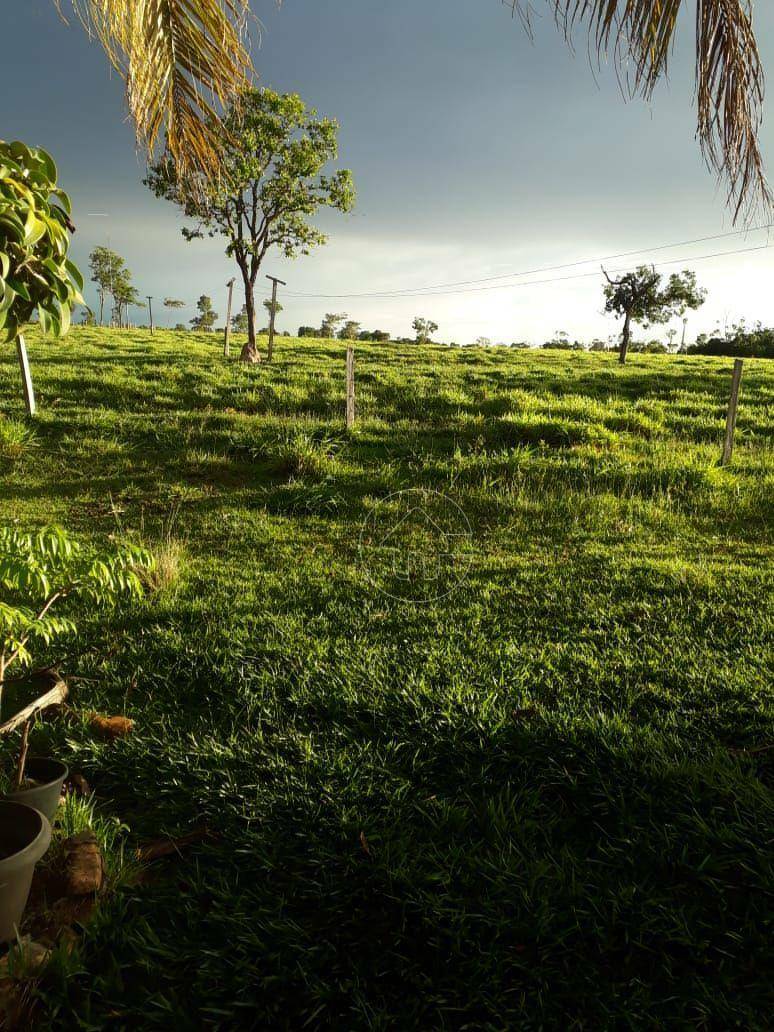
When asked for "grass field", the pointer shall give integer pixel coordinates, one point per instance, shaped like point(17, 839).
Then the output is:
point(541, 801)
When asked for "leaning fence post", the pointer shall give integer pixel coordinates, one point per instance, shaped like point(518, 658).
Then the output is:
point(728, 445)
point(227, 331)
point(24, 365)
point(350, 388)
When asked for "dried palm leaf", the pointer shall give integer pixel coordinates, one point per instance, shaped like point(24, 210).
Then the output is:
point(181, 60)
point(638, 36)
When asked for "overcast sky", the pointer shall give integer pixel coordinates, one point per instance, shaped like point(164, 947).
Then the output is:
point(476, 152)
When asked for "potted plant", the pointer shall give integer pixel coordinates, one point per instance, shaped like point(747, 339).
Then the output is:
point(25, 835)
point(36, 780)
point(38, 573)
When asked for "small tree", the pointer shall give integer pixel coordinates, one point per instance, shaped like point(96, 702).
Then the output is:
point(273, 149)
point(424, 329)
point(205, 320)
point(330, 323)
point(173, 303)
point(350, 330)
point(640, 297)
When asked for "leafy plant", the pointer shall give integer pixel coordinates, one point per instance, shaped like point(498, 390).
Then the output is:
point(35, 227)
point(40, 570)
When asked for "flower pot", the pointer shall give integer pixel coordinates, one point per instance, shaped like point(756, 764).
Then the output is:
point(25, 835)
point(49, 776)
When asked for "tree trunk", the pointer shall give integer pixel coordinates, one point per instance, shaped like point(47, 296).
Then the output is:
point(250, 351)
point(101, 305)
point(625, 338)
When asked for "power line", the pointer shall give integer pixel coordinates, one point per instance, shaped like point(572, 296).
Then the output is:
point(439, 290)
point(588, 275)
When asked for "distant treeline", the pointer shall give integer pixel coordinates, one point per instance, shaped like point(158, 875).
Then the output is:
point(739, 342)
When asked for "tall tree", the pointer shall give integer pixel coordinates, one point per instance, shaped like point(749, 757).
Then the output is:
point(124, 294)
point(205, 320)
point(273, 149)
point(173, 303)
point(105, 266)
point(424, 329)
point(640, 297)
point(330, 323)
point(350, 330)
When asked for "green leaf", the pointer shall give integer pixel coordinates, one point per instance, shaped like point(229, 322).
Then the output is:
point(48, 164)
point(34, 229)
point(64, 319)
point(75, 273)
point(19, 287)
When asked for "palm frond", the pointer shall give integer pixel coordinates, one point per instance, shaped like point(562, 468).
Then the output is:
point(638, 36)
point(181, 60)
point(730, 91)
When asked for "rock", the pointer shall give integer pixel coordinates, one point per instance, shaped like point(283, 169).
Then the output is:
point(83, 867)
point(111, 728)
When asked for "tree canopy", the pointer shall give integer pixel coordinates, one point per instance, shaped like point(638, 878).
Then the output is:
point(640, 297)
point(273, 151)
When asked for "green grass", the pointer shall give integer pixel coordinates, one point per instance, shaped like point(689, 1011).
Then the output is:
point(532, 804)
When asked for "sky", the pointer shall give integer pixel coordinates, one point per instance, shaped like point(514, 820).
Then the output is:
point(476, 151)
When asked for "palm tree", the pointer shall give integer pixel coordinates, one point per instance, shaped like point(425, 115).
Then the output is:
point(174, 54)
point(180, 60)
point(638, 36)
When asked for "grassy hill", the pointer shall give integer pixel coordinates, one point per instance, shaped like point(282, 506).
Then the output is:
point(535, 797)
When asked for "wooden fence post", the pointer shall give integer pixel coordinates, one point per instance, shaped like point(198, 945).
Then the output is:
point(273, 312)
point(227, 332)
point(350, 388)
point(24, 365)
point(728, 445)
